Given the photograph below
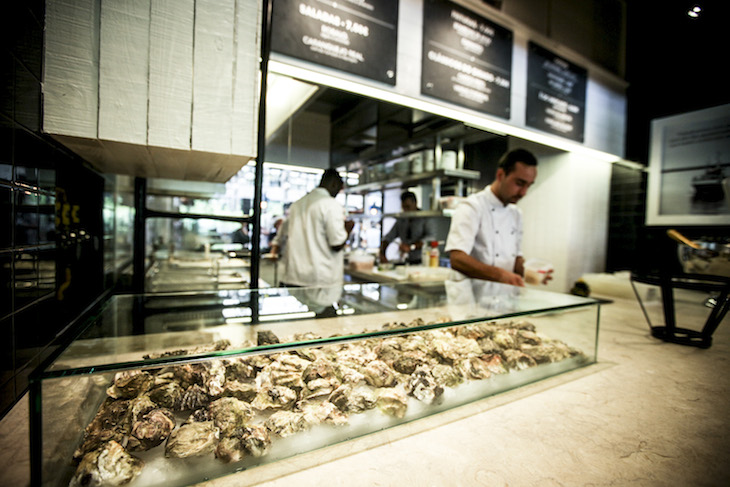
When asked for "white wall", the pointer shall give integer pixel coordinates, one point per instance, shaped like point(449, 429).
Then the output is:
point(566, 217)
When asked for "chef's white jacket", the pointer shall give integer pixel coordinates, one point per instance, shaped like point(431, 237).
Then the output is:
point(315, 224)
point(487, 230)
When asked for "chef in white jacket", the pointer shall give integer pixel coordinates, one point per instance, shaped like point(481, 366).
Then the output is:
point(314, 235)
point(485, 236)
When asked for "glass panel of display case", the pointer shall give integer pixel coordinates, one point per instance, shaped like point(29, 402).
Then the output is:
point(173, 389)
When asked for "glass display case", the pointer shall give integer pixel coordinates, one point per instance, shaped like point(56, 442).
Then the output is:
point(173, 389)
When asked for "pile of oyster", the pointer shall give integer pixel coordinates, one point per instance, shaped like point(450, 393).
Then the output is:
point(233, 407)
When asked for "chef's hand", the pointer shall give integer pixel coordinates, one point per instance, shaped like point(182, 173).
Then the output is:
point(548, 276)
point(508, 277)
point(349, 224)
point(404, 248)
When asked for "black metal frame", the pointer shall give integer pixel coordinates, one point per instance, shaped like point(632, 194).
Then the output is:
point(698, 282)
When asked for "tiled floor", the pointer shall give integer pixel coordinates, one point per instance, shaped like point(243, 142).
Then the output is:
point(649, 413)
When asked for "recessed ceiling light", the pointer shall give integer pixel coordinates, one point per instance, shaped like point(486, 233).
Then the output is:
point(694, 12)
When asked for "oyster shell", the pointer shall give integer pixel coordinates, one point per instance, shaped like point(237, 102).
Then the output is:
point(129, 384)
point(216, 378)
point(451, 349)
point(194, 397)
point(240, 390)
point(474, 368)
point(237, 369)
point(322, 412)
point(151, 430)
point(515, 359)
point(286, 370)
point(378, 374)
point(393, 402)
point(168, 395)
point(229, 413)
point(256, 440)
point(109, 464)
point(230, 449)
point(111, 423)
point(353, 399)
point(447, 375)
point(192, 439)
point(422, 385)
point(276, 397)
point(286, 423)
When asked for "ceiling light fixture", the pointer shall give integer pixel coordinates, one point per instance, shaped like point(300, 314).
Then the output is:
point(694, 12)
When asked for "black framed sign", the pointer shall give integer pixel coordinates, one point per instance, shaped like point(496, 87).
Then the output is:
point(556, 94)
point(356, 37)
point(467, 59)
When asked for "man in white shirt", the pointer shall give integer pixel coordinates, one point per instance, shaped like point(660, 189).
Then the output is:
point(314, 234)
point(485, 237)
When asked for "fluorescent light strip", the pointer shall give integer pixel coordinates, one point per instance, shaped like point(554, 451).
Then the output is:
point(472, 120)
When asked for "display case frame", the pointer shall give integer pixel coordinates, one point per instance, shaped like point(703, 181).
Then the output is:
point(146, 332)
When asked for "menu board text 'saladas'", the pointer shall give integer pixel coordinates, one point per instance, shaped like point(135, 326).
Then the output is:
point(556, 94)
point(357, 37)
point(467, 59)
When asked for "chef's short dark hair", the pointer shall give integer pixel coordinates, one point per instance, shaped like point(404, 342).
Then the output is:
point(407, 195)
point(508, 160)
point(331, 175)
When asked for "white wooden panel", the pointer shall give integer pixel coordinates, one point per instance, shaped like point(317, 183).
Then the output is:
point(123, 70)
point(171, 73)
point(213, 75)
point(71, 67)
point(246, 77)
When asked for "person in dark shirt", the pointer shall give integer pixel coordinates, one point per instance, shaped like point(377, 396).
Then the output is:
point(412, 232)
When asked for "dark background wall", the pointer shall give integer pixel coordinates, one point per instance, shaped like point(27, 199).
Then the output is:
point(50, 206)
point(674, 64)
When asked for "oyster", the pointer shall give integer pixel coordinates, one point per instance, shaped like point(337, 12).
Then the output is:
point(109, 464)
point(451, 349)
point(139, 406)
point(256, 440)
point(474, 368)
point(168, 395)
point(110, 423)
point(393, 402)
point(505, 338)
point(422, 385)
point(353, 354)
point(550, 351)
point(494, 363)
point(229, 413)
point(151, 430)
point(322, 412)
point(354, 399)
point(348, 374)
point(266, 337)
point(230, 449)
point(194, 397)
point(239, 370)
point(286, 370)
point(192, 439)
point(514, 359)
point(378, 374)
point(447, 375)
point(286, 423)
point(276, 397)
point(216, 378)
point(240, 390)
point(130, 384)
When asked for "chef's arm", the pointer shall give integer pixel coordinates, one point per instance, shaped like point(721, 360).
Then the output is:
point(348, 228)
point(520, 266)
point(471, 267)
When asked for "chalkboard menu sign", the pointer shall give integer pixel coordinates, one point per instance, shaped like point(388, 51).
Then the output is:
point(358, 37)
point(556, 94)
point(467, 59)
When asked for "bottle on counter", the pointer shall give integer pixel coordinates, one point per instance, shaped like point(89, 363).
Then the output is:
point(433, 254)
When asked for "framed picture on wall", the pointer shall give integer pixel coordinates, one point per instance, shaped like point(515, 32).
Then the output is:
point(689, 169)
